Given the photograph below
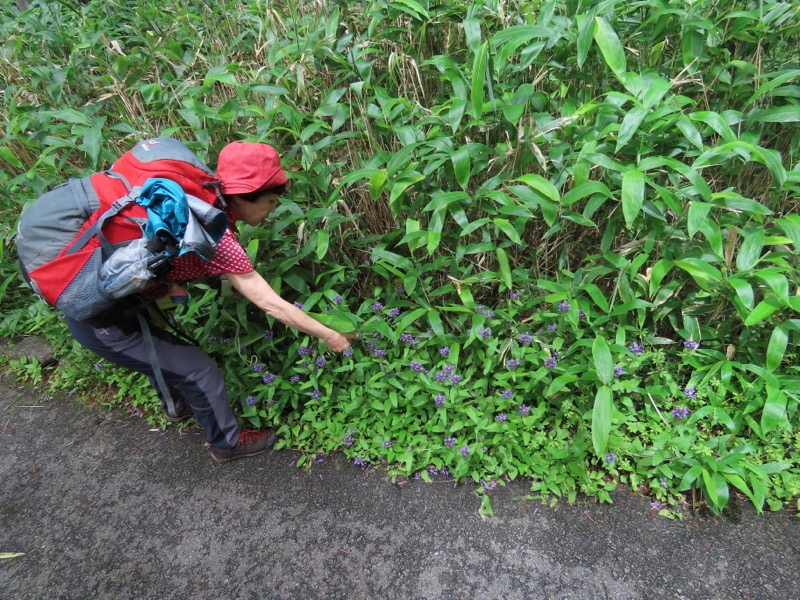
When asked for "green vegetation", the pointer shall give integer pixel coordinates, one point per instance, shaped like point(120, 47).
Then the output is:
point(591, 204)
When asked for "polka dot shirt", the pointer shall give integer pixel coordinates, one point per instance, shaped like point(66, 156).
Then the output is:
point(230, 257)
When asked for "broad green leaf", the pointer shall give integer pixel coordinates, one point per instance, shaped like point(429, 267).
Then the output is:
point(750, 250)
point(692, 48)
point(436, 322)
point(703, 273)
point(610, 46)
point(779, 79)
point(658, 272)
point(690, 132)
point(601, 419)
point(478, 80)
point(698, 211)
point(10, 158)
point(776, 348)
point(774, 414)
point(559, 383)
point(603, 362)
point(630, 125)
point(461, 166)
point(632, 196)
point(587, 188)
point(507, 228)
point(716, 122)
point(412, 8)
point(505, 269)
point(763, 310)
point(585, 36)
point(597, 295)
point(323, 241)
point(778, 114)
point(409, 318)
point(342, 322)
point(541, 185)
point(775, 280)
point(744, 291)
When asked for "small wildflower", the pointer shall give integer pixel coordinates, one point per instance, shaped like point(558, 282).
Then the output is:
point(464, 450)
point(691, 345)
point(690, 393)
point(268, 378)
point(664, 483)
point(441, 376)
point(486, 333)
point(512, 364)
point(407, 338)
point(394, 312)
point(258, 368)
point(377, 306)
point(449, 369)
point(294, 379)
point(348, 352)
point(303, 350)
point(439, 399)
point(387, 443)
point(656, 505)
point(581, 314)
point(618, 370)
point(501, 417)
point(99, 366)
point(298, 305)
point(507, 393)
point(268, 335)
point(455, 378)
point(636, 348)
point(348, 440)
point(316, 394)
point(449, 441)
point(564, 306)
point(379, 352)
point(551, 362)
point(251, 400)
point(553, 327)
point(416, 366)
point(338, 300)
point(515, 295)
point(680, 412)
point(610, 457)
point(444, 351)
point(359, 462)
point(524, 410)
point(367, 262)
point(524, 338)
point(321, 362)
point(225, 341)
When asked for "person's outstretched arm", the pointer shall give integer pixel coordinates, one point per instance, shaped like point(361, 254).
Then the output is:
point(253, 287)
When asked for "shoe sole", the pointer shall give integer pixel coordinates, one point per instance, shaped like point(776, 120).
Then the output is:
point(270, 444)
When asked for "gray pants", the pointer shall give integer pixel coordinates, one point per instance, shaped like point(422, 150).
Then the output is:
point(188, 371)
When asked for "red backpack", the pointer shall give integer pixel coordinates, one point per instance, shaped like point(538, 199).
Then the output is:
point(65, 236)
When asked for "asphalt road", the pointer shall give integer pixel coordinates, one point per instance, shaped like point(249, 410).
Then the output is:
point(102, 507)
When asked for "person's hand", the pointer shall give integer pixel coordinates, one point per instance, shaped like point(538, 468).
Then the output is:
point(339, 342)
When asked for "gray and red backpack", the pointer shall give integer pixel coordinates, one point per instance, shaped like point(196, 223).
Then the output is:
point(68, 234)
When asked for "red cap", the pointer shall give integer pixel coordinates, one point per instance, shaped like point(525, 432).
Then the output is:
point(249, 167)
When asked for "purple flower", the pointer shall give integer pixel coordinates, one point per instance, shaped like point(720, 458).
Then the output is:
point(444, 351)
point(337, 300)
point(348, 352)
point(501, 417)
point(394, 312)
point(636, 348)
point(416, 366)
point(316, 394)
point(225, 341)
point(441, 376)
point(515, 295)
point(690, 393)
point(524, 410)
point(359, 461)
point(486, 333)
point(258, 368)
point(564, 306)
point(464, 450)
point(268, 335)
point(268, 378)
point(321, 362)
point(551, 362)
point(455, 378)
point(99, 366)
point(387, 443)
point(251, 400)
point(377, 306)
point(439, 399)
point(298, 305)
point(366, 262)
point(348, 440)
point(524, 338)
point(379, 352)
point(294, 379)
point(303, 350)
point(581, 314)
point(618, 371)
point(691, 345)
point(512, 364)
point(449, 369)
point(610, 457)
point(407, 338)
point(664, 483)
point(656, 505)
point(507, 393)
point(680, 412)
point(552, 327)
point(449, 441)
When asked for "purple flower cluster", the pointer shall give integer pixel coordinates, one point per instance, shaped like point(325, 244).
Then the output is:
point(359, 462)
point(449, 441)
point(564, 306)
point(552, 327)
point(489, 314)
point(416, 366)
point(680, 412)
point(268, 378)
point(387, 443)
point(394, 312)
point(268, 335)
point(636, 348)
point(524, 338)
point(99, 366)
point(610, 457)
point(316, 394)
point(690, 393)
point(348, 352)
point(551, 362)
point(464, 450)
point(303, 350)
point(444, 351)
point(348, 440)
point(407, 338)
point(664, 483)
point(298, 305)
point(251, 400)
point(378, 352)
point(294, 379)
point(618, 370)
point(524, 410)
point(507, 393)
point(512, 364)
point(338, 300)
point(377, 306)
point(486, 333)
point(515, 295)
point(258, 368)
point(691, 345)
point(501, 417)
point(439, 399)
point(321, 362)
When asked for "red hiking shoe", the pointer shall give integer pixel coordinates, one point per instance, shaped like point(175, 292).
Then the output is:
point(252, 442)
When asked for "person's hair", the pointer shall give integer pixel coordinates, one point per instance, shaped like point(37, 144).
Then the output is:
point(254, 196)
